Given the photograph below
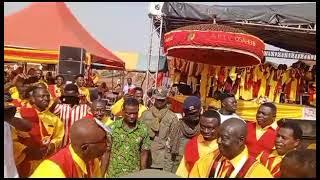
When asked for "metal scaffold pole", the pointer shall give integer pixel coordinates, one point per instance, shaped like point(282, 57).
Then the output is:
point(159, 51)
point(152, 48)
point(154, 33)
point(149, 53)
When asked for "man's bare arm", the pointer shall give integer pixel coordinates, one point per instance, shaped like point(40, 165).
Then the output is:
point(143, 159)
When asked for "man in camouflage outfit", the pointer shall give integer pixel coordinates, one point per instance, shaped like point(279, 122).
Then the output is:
point(181, 132)
point(159, 120)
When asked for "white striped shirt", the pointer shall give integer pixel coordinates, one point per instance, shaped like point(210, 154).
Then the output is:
point(69, 115)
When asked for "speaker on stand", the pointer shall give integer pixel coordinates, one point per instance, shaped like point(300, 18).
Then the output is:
point(71, 62)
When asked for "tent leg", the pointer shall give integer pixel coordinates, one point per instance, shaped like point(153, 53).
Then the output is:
point(112, 78)
point(122, 78)
point(25, 70)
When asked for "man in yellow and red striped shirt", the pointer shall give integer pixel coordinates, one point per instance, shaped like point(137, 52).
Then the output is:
point(233, 159)
point(56, 89)
point(287, 139)
point(83, 91)
point(45, 137)
point(79, 159)
point(200, 145)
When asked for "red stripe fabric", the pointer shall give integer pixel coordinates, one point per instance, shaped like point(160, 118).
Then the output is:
point(191, 153)
point(63, 159)
point(69, 115)
point(243, 171)
point(265, 143)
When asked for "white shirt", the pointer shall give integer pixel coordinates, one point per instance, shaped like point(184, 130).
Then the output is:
point(127, 87)
point(10, 169)
point(225, 117)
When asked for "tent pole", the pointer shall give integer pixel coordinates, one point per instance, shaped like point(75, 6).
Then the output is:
point(112, 78)
point(25, 70)
point(122, 79)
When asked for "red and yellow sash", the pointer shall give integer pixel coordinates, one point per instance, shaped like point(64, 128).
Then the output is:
point(191, 153)
point(38, 130)
point(51, 89)
point(243, 171)
point(36, 134)
point(266, 160)
point(16, 103)
point(64, 160)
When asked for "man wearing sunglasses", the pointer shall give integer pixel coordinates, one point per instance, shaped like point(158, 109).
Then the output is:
point(89, 141)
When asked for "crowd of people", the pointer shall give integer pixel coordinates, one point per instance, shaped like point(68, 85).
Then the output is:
point(282, 84)
point(66, 130)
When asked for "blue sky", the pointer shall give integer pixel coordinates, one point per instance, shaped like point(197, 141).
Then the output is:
point(119, 26)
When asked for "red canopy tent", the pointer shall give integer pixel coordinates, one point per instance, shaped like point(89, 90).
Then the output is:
point(44, 27)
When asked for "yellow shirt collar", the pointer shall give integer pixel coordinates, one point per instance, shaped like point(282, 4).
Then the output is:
point(37, 110)
point(211, 144)
point(81, 88)
point(78, 160)
point(236, 160)
point(274, 153)
point(274, 126)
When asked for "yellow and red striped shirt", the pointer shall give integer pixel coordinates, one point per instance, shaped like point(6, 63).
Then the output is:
point(271, 161)
point(204, 147)
point(50, 169)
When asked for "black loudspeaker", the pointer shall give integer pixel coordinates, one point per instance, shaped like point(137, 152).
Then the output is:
point(71, 62)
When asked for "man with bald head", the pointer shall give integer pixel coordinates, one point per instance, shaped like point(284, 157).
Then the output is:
point(98, 111)
point(233, 159)
point(89, 141)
